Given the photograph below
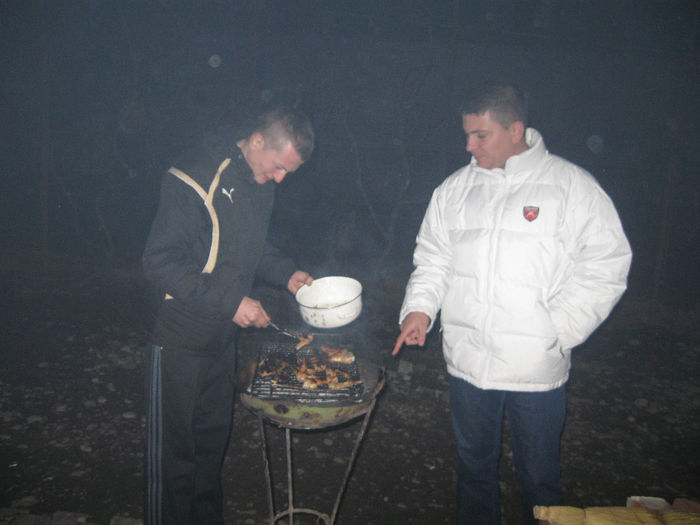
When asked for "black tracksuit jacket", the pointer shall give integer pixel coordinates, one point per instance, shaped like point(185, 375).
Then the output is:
point(198, 317)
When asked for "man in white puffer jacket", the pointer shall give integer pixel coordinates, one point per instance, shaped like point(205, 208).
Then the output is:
point(524, 255)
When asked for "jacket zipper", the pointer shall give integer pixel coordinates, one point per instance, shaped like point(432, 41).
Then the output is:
point(494, 236)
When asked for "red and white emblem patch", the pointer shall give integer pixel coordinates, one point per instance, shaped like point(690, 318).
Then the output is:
point(531, 212)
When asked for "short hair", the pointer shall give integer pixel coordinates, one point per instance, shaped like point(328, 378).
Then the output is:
point(504, 102)
point(286, 124)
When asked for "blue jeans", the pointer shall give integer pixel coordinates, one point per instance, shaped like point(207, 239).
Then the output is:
point(536, 421)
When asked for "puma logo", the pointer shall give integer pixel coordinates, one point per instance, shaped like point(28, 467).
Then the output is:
point(228, 193)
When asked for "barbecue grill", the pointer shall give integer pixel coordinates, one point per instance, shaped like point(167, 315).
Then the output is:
point(289, 406)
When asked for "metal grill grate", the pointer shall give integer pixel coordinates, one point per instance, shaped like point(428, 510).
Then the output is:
point(286, 386)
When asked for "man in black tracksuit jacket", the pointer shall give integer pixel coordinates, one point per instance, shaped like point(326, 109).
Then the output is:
point(206, 245)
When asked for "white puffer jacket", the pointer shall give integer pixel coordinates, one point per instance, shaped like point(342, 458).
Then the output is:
point(523, 262)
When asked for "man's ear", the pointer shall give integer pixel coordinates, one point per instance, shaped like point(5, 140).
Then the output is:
point(517, 131)
point(256, 141)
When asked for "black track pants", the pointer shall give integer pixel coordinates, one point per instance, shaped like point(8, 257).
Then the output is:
point(188, 422)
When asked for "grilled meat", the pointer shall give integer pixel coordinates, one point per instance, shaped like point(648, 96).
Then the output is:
point(304, 340)
point(324, 369)
point(338, 355)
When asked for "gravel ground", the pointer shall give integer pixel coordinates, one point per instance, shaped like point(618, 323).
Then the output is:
point(71, 406)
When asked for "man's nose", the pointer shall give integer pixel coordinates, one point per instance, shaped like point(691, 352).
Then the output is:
point(470, 144)
point(279, 176)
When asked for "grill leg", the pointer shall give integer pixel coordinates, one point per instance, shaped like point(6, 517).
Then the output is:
point(291, 510)
point(290, 486)
point(268, 479)
point(351, 461)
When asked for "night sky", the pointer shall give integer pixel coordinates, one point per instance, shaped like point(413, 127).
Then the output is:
point(98, 98)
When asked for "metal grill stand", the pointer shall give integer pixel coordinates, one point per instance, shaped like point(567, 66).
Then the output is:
point(289, 415)
point(291, 510)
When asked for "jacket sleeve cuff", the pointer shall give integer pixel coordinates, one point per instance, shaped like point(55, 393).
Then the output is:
point(412, 307)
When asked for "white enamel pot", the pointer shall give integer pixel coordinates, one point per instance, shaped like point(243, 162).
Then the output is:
point(330, 302)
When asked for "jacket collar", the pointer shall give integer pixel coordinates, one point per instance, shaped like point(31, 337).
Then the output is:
point(242, 171)
point(525, 161)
